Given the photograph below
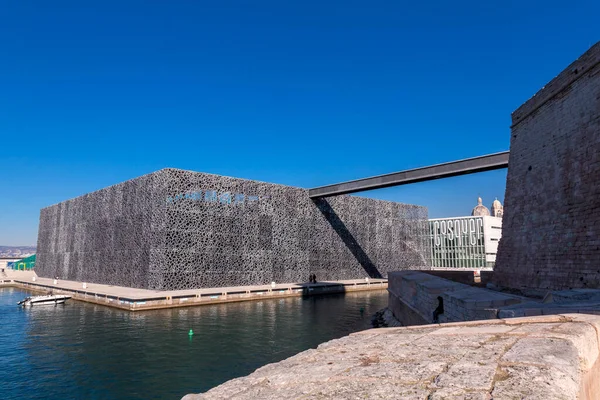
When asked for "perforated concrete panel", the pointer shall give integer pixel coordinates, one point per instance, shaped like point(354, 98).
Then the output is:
point(176, 229)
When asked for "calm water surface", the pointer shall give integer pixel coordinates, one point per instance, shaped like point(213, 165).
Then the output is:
point(85, 351)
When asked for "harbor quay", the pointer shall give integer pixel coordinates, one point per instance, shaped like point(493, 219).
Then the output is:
point(133, 299)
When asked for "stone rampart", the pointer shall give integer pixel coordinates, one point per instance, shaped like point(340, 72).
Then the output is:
point(537, 358)
point(414, 296)
point(551, 224)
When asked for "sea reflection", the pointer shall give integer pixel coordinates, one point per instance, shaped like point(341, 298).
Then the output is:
point(82, 350)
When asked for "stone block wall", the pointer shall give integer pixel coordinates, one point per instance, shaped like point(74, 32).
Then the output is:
point(551, 224)
point(413, 296)
point(176, 229)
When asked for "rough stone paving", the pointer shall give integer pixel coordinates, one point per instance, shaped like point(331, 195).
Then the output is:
point(535, 358)
point(176, 229)
point(551, 225)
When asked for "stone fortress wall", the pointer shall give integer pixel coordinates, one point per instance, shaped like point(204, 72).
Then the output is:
point(551, 227)
point(176, 229)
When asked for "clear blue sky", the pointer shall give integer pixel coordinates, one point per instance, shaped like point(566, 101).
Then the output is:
point(302, 93)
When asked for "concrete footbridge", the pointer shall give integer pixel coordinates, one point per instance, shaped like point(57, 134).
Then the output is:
point(466, 166)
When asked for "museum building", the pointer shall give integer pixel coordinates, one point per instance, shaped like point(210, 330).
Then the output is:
point(175, 229)
point(467, 242)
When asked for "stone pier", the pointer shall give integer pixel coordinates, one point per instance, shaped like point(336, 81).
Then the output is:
point(546, 357)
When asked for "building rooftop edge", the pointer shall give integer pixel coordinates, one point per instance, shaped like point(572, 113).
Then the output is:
point(166, 169)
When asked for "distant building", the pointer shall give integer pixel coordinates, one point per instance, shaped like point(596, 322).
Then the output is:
point(480, 210)
point(16, 252)
point(24, 264)
point(467, 242)
point(497, 209)
point(5, 261)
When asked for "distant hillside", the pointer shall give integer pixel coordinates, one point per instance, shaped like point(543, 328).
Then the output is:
point(16, 251)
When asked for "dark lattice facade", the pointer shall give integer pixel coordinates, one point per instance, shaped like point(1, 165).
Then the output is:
point(176, 229)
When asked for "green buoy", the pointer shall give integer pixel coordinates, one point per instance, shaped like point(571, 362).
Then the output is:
point(191, 333)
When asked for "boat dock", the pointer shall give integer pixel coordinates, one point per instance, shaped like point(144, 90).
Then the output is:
point(134, 299)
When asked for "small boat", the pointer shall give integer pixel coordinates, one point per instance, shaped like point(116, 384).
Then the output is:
point(51, 299)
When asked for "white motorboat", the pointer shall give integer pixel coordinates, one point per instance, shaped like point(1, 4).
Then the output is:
point(51, 299)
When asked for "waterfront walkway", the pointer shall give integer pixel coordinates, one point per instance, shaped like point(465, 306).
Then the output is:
point(135, 299)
